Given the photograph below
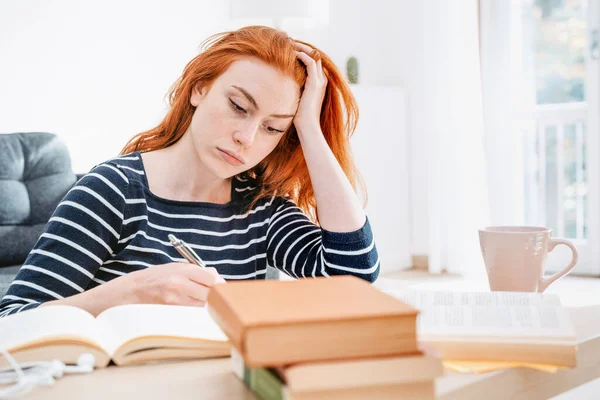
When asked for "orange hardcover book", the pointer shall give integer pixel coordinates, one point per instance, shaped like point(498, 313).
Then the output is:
point(274, 323)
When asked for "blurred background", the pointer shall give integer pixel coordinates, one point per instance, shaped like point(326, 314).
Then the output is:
point(472, 112)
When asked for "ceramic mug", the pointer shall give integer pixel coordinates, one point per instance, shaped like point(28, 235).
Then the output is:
point(514, 257)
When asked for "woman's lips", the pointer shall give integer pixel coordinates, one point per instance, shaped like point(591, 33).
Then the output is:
point(231, 157)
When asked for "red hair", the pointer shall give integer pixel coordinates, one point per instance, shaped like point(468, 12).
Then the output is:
point(284, 171)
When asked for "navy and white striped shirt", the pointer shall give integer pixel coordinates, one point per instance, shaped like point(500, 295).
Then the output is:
point(110, 224)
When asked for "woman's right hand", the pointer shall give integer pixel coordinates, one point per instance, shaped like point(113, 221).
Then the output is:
point(175, 283)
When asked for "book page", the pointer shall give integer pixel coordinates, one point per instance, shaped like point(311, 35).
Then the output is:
point(133, 321)
point(504, 315)
point(425, 298)
point(534, 322)
point(49, 323)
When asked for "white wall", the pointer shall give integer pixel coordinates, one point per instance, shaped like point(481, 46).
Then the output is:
point(97, 72)
point(390, 39)
point(380, 149)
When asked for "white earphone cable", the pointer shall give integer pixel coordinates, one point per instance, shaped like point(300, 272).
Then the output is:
point(26, 376)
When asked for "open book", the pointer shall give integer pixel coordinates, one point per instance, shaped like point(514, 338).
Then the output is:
point(494, 326)
point(128, 334)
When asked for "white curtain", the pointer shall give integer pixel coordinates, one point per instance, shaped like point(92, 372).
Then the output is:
point(456, 182)
point(508, 93)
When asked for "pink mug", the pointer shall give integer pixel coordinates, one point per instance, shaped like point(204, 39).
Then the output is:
point(514, 257)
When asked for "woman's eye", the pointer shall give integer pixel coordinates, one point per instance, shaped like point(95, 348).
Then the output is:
point(237, 107)
point(273, 130)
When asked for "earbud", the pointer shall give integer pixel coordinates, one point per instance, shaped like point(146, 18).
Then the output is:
point(42, 373)
point(85, 364)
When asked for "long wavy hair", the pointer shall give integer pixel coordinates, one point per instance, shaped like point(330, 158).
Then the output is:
point(284, 171)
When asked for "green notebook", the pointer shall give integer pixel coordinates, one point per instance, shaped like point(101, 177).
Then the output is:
point(263, 381)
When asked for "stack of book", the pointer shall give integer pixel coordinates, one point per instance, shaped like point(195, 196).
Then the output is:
point(483, 331)
point(323, 338)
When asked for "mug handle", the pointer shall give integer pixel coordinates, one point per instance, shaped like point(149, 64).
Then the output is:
point(545, 282)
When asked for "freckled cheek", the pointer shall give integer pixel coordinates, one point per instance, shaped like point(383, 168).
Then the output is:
point(218, 121)
point(218, 112)
point(258, 152)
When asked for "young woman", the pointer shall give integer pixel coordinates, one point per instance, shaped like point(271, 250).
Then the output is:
point(251, 167)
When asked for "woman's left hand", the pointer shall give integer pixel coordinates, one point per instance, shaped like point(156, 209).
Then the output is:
point(308, 115)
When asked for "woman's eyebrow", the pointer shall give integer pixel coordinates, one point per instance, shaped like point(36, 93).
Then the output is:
point(251, 100)
point(247, 95)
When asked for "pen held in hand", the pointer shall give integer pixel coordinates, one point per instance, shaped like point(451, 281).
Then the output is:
point(186, 251)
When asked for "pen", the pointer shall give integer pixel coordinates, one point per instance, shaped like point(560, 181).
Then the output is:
point(186, 251)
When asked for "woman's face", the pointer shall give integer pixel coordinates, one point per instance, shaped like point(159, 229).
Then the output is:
point(242, 117)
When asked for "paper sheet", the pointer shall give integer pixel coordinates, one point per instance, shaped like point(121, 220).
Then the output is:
point(480, 367)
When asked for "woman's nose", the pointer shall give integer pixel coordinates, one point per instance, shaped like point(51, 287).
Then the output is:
point(245, 134)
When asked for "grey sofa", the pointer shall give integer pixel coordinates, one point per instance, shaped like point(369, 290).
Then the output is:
point(35, 174)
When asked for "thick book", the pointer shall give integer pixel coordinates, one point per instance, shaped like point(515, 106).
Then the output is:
point(346, 374)
point(270, 384)
point(274, 323)
point(494, 326)
point(128, 334)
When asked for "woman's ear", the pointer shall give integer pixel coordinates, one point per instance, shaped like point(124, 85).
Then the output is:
point(197, 94)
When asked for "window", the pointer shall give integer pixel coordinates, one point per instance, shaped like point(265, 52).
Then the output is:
point(556, 183)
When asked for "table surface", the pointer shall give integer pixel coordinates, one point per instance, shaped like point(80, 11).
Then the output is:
point(214, 379)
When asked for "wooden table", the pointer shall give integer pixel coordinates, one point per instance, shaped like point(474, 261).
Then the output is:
point(213, 379)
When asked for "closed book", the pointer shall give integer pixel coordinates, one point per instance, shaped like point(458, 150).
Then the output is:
point(274, 323)
point(345, 374)
point(268, 384)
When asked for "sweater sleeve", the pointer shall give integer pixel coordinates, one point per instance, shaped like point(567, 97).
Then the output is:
point(301, 249)
point(81, 234)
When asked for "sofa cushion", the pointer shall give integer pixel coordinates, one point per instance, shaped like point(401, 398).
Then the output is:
point(7, 275)
point(35, 174)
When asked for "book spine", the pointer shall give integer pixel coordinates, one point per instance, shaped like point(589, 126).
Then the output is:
point(264, 382)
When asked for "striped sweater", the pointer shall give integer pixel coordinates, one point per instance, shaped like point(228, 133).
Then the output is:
point(110, 224)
